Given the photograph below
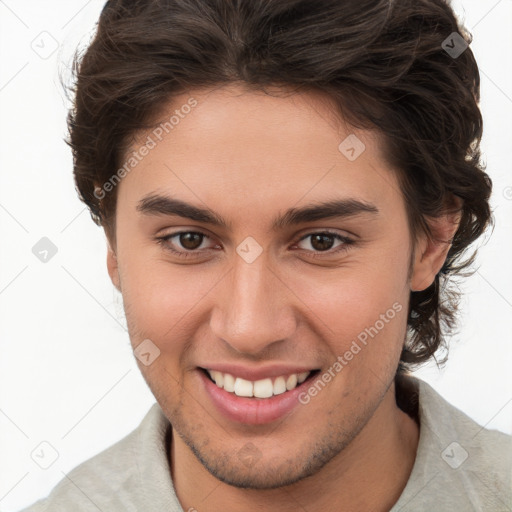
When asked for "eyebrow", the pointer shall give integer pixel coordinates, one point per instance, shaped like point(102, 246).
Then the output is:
point(153, 204)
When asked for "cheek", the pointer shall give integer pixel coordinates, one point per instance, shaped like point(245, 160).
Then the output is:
point(350, 300)
point(361, 311)
point(162, 300)
point(159, 297)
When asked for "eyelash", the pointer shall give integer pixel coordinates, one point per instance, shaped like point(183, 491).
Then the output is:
point(347, 242)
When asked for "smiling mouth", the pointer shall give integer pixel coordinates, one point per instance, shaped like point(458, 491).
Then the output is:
point(264, 388)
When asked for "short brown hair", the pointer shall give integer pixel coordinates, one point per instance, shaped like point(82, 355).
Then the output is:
point(381, 61)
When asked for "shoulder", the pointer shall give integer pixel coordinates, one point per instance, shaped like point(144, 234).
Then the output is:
point(459, 463)
point(117, 478)
point(487, 449)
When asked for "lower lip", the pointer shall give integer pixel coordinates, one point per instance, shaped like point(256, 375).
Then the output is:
point(252, 411)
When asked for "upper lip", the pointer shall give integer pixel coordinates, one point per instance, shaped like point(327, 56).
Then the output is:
point(258, 373)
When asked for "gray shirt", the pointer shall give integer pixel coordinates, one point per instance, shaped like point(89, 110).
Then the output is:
point(460, 466)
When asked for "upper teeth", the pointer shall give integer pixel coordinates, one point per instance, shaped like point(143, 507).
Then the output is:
point(264, 388)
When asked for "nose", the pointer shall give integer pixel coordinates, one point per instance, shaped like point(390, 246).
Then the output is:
point(254, 309)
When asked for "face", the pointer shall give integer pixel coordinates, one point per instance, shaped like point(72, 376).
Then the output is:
point(250, 250)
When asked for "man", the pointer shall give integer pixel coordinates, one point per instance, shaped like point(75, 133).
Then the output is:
point(286, 188)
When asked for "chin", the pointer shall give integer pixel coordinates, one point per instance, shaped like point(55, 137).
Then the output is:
point(272, 472)
point(239, 476)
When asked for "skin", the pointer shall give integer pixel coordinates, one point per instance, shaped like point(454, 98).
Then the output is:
point(350, 447)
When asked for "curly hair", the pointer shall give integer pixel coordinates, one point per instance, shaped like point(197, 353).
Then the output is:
point(384, 63)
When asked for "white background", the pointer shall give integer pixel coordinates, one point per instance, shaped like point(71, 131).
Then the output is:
point(67, 374)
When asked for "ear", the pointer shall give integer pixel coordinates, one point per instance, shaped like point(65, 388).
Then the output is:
point(430, 255)
point(112, 266)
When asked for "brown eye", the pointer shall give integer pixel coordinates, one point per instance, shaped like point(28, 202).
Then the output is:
point(191, 240)
point(325, 242)
point(322, 242)
point(184, 244)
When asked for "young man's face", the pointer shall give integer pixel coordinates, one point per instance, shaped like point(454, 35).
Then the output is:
point(309, 300)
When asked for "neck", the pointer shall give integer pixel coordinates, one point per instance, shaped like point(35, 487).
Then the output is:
point(369, 474)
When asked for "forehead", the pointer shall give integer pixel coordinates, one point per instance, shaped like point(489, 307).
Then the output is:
point(241, 150)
